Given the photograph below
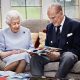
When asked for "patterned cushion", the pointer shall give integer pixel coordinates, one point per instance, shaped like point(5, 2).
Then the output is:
point(34, 37)
point(42, 37)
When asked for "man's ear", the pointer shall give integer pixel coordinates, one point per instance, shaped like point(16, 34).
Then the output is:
point(61, 12)
point(9, 24)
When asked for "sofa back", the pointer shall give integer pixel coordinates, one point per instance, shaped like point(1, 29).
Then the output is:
point(36, 25)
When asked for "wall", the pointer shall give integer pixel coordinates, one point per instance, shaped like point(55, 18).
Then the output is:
point(5, 6)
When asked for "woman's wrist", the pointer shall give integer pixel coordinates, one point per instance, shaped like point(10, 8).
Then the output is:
point(0, 53)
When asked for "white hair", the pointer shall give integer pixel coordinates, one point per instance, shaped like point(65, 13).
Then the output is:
point(13, 14)
point(57, 6)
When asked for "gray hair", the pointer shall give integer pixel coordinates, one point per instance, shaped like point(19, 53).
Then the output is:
point(57, 6)
point(13, 14)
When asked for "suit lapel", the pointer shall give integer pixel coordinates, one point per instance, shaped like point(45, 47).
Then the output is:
point(52, 35)
point(64, 33)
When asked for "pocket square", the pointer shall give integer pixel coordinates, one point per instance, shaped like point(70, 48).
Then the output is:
point(70, 34)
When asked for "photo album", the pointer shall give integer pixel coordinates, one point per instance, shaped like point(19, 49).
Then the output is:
point(46, 50)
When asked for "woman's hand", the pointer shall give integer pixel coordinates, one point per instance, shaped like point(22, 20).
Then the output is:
point(7, 53)
point(20, 51)
point(17, 51)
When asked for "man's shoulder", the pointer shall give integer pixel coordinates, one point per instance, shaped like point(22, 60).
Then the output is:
point(50, 26)
point(70, 20)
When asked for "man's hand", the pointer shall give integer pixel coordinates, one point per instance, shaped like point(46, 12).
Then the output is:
point(53, 55)
point(32, 54)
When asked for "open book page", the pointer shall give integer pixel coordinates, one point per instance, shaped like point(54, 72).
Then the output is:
point(45, 50)
point(34, 51)
point(40, 52)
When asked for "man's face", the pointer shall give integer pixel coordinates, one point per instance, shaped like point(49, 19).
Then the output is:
point(55, 17)
point(15, 25)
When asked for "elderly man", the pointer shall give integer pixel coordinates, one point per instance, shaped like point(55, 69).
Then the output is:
point(63, 33)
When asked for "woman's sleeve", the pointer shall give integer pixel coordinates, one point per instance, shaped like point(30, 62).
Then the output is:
point(2, 41)
point(31, 45)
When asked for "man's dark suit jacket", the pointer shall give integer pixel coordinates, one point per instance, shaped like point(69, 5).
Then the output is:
point(69, 37)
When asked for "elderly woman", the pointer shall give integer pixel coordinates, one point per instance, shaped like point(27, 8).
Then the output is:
point(14, 43)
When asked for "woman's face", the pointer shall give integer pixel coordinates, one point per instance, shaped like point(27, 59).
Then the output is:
point(15, 25)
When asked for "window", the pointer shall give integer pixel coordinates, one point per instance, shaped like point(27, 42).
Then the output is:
point(30, 9)
point(33, 9)
point(0, 15)
point(70, 7)
point(37, 9)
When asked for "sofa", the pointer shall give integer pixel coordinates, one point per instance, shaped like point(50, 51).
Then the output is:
point(37, 28)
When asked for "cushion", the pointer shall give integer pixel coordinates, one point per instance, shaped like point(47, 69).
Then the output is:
point(42, 37)
point(76, 68)
point(53, 66)
point(34, 37)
